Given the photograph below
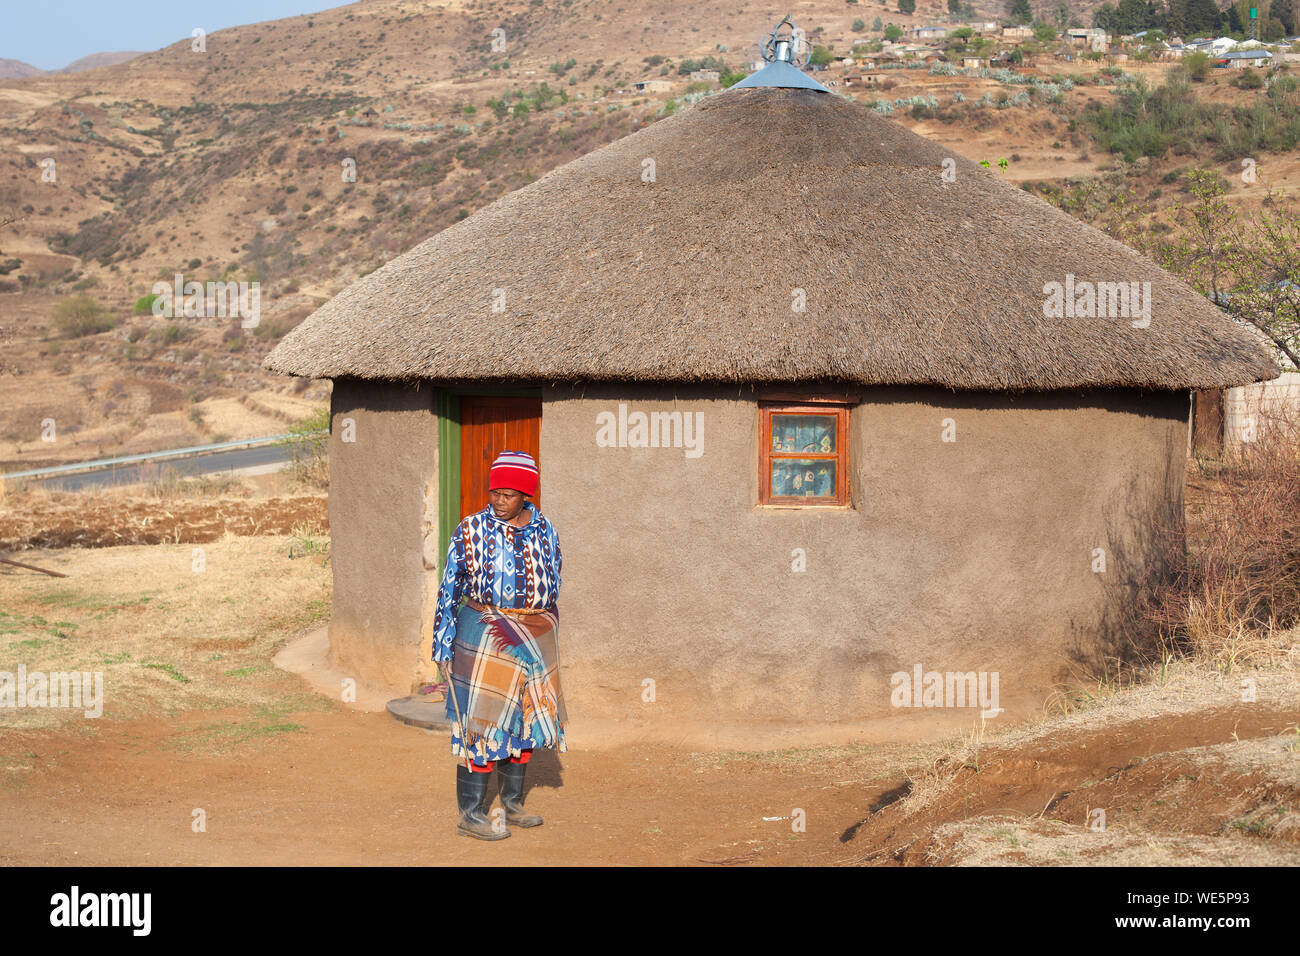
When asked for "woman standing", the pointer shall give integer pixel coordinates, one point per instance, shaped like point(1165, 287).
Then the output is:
point(504, 695)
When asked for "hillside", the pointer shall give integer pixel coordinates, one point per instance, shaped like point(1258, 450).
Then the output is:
point(232, 162)
point(17, 70)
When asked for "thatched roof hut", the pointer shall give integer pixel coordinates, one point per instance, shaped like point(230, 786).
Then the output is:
point(772, 264)
point(909, 278)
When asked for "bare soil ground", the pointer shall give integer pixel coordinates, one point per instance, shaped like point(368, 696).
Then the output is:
point(197, 721)
point(339, 787)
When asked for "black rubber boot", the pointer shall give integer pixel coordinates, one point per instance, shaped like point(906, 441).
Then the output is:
point(512, 794)
point(471, 790)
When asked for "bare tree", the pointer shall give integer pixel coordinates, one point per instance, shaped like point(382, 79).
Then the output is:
point(1248, 265)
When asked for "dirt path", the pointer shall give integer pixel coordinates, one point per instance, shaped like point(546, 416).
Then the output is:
point(355, 788)
point(359, 788)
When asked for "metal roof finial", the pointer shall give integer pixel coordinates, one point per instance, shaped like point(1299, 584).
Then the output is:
point(787, 48)
point(785, 54)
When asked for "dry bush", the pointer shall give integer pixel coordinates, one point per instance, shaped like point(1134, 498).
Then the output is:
point(80, 315)
point(169, 484)
point(308, 445)
point(931, 783)
point(1236, 585)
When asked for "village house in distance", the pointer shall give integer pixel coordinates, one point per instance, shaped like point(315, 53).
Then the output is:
point(805, 451)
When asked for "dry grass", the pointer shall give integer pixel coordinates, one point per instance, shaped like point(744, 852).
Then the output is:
point(160, 481)
point(1012, 841)
point(171, 627)
point(170, 485)
point(1235, 590)
point(1254, 821)
point(932, 782)
point(1178, 686)
point(1224, 590)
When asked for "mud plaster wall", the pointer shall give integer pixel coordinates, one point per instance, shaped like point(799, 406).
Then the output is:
point(383, 496)
point(974, 555)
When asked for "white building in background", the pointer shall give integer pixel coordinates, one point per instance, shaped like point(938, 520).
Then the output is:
point(1093, 38)
point(1240, 59)
point(1248, 409)
point(1218, 47)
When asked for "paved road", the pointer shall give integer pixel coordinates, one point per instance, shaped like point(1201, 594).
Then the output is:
point(261, 458)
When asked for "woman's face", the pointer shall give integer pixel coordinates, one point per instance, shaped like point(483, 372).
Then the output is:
point(506, 503)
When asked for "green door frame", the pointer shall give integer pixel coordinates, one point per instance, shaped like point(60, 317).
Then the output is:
point(446, 404)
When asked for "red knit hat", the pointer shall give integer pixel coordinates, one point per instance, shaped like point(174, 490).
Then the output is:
point(516, 470)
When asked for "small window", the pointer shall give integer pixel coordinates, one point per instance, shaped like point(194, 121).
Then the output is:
point(804, 454)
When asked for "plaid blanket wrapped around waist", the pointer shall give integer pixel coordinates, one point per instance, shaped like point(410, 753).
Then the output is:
point(506, 678)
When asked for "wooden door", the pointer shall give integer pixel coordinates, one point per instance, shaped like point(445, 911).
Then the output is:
point(489, 425)
point(1207, 423)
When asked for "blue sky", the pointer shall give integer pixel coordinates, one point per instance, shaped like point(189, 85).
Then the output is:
point(52, 33)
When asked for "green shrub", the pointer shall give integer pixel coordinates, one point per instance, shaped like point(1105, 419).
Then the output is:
point(168, 334)
point(1250, 80)
point(1197, 65)
point(704, 63)
point(144, 304)
point(1148, 123)
point(308, 443)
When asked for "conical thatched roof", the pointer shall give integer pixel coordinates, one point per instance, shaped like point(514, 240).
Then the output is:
point(908, 278)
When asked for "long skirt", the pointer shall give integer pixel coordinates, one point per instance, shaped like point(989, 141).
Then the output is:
point(506, 679)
